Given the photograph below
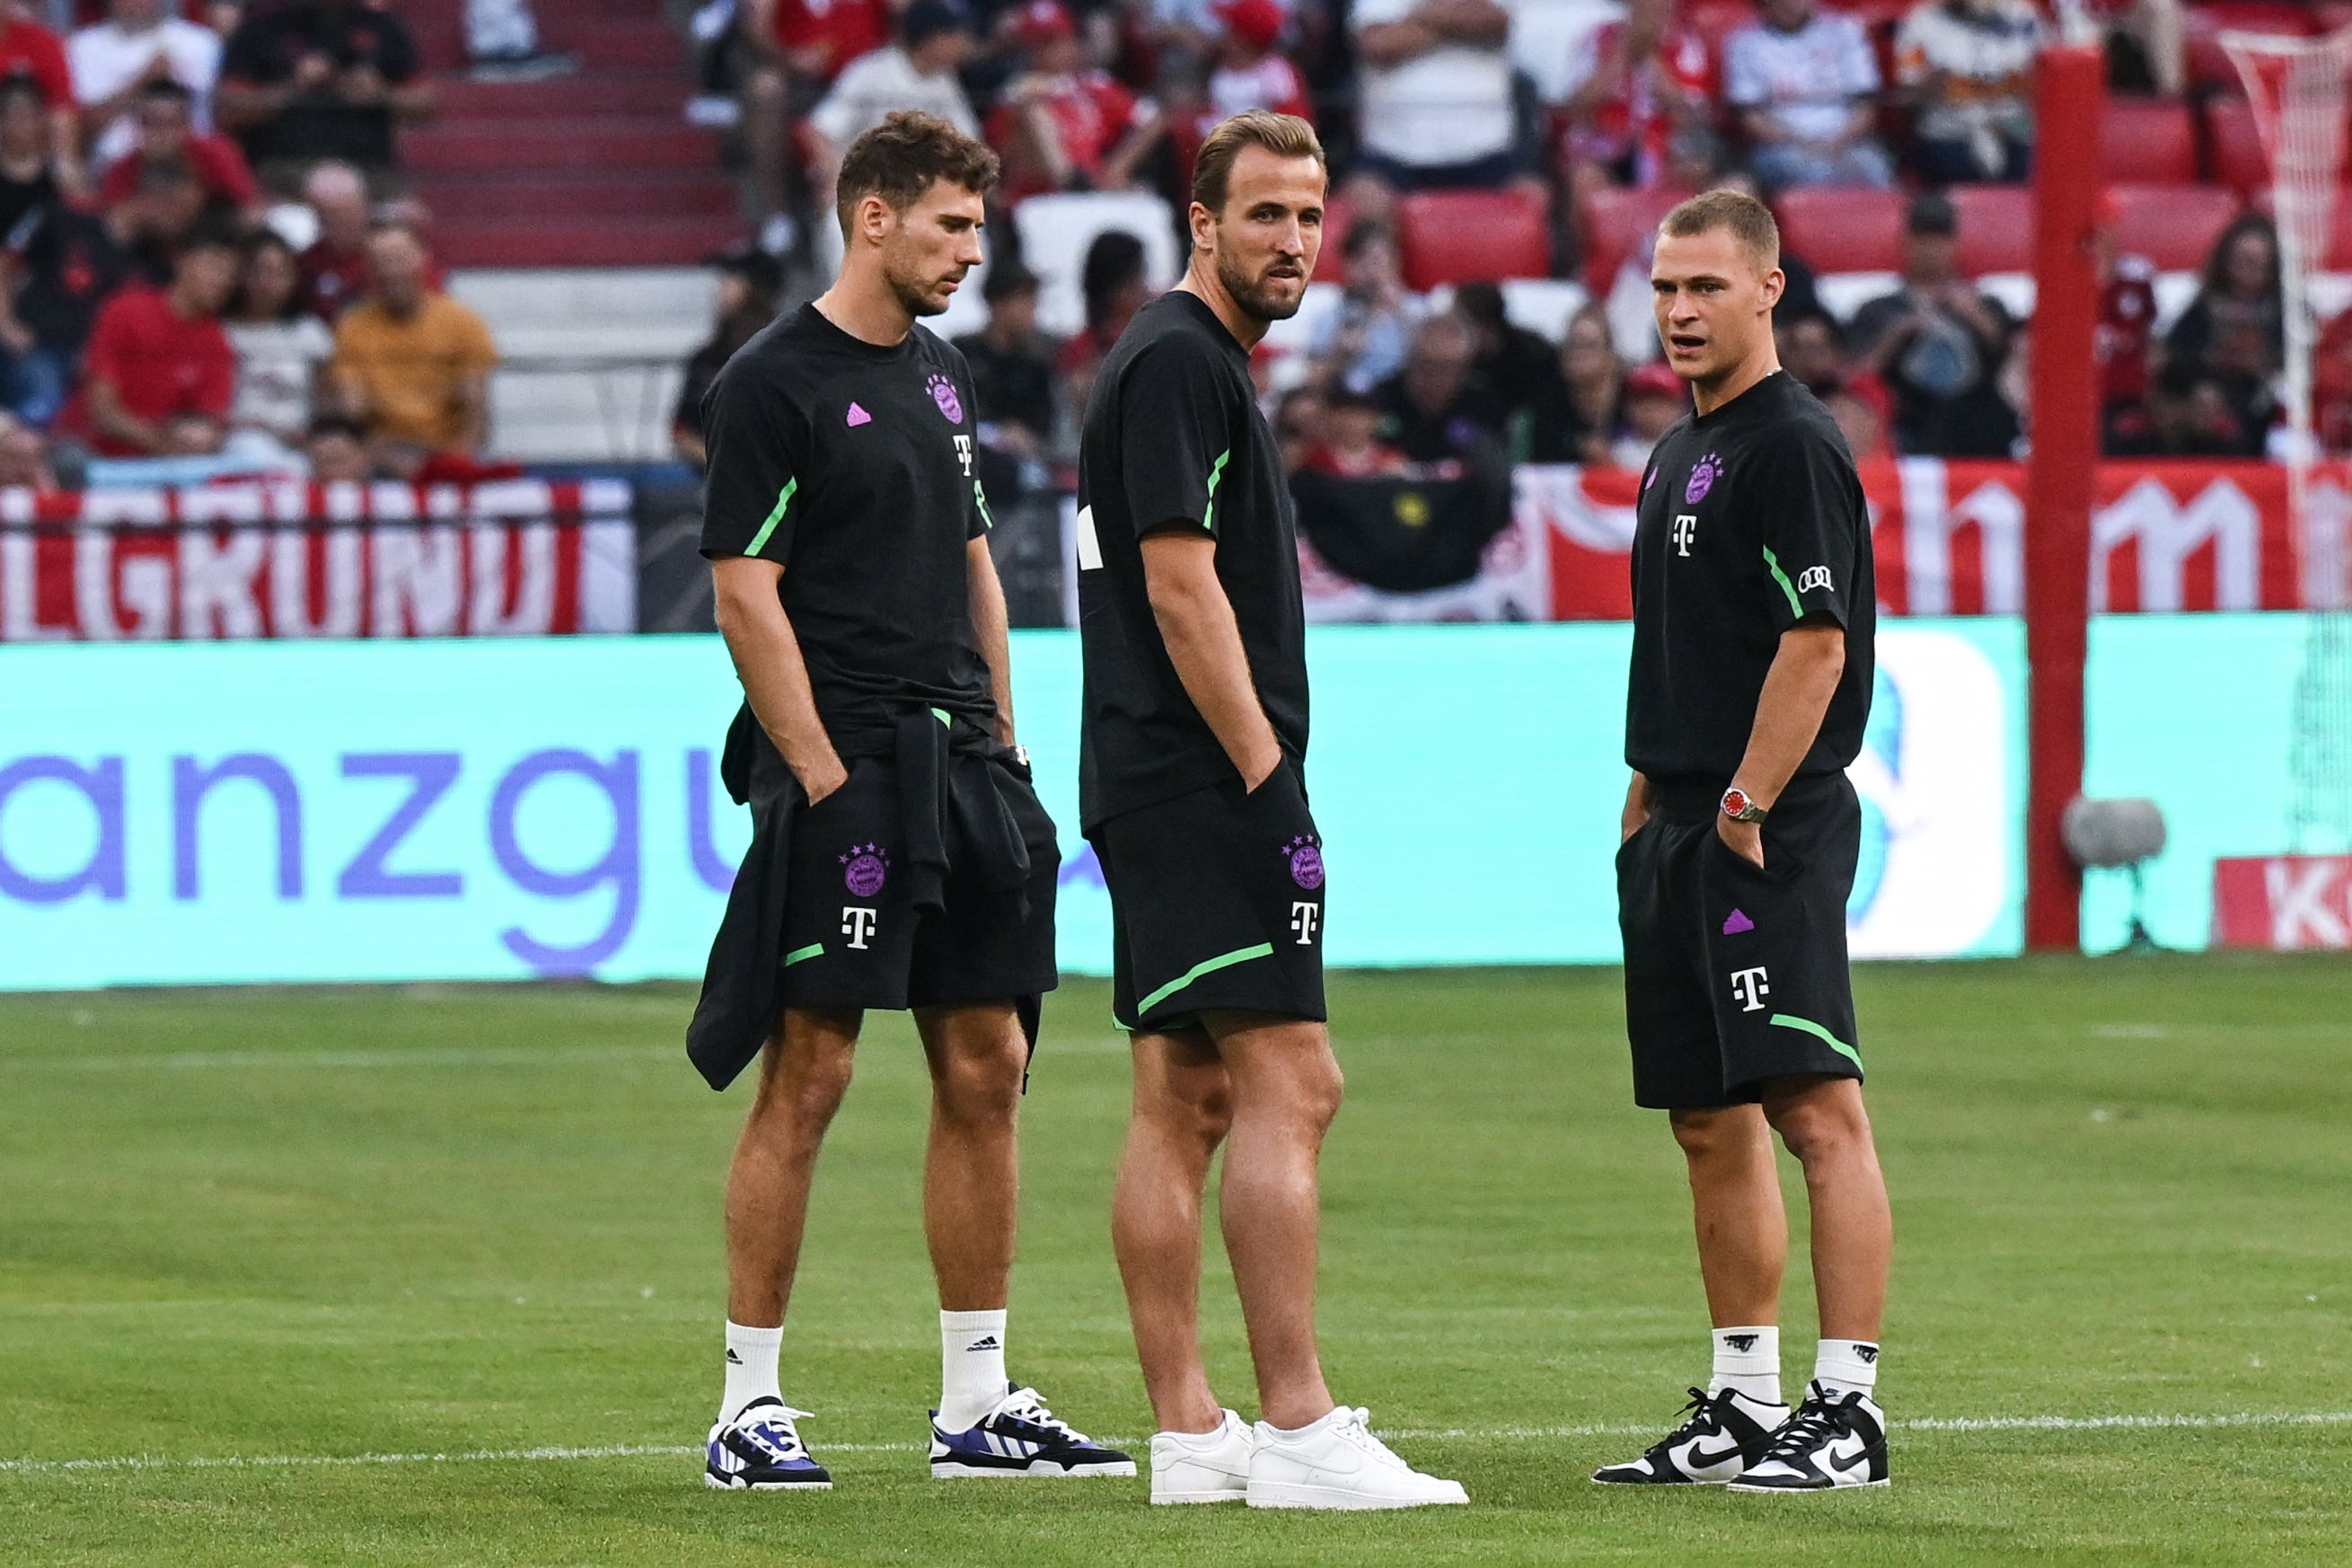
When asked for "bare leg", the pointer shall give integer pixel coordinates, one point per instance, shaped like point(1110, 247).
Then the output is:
point(1823, 1124)
point(972, 1172)
point(1183, 1108)
point(1743, 1231)
point(1285, 1092)
point(803, 1072)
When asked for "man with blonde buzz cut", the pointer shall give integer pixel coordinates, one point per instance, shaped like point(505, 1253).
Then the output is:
point(1754, 607)
point(1192, 792)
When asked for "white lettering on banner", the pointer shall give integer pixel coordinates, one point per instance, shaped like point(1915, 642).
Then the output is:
point(2168, 533)
point(144, 588)
point(533, 593)
point(217, 583)
point(857, 924)
point(342, 604)
point(2328, 547)
point(1750, 985)
point(416, 572)
point(1932, 519)
point(1304, 915)
point(2298, 893)
point(20, 591)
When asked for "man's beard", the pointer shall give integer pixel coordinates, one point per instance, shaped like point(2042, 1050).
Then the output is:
point(915, 298)
point(1257, 296)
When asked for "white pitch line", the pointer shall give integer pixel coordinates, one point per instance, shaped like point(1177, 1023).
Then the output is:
point(1947, 1424)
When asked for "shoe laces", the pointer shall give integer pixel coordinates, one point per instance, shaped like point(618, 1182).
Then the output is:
point(1700, 1418)
point(1023, 1405)
point(1815, 1423)
point(1354, 1426)
point(771, 1427)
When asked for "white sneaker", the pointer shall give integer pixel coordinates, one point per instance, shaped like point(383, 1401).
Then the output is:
point(1201, 1467)
point(1337, 1463)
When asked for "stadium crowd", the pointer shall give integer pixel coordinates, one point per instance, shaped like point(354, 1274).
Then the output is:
point(206, 266)
point(1918, 97)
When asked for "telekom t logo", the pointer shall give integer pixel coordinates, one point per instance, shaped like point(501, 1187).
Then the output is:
point(1686, 529)
point(856, 924)
point(1750, 986)
point(1303, 914)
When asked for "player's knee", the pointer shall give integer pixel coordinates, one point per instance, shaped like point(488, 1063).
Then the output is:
point(1317, 1091)
point(806, 1088)
point(1814, 1129)
point(1705, 1136)
point(977, 1087)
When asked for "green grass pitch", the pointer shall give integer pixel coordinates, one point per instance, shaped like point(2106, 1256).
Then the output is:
point(246, 1238)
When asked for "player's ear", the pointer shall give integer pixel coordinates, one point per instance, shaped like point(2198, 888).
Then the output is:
point(1776, 283)
point(1202, 221)
point(874, 216)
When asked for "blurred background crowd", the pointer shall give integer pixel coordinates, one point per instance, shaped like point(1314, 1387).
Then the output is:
point(213, 259)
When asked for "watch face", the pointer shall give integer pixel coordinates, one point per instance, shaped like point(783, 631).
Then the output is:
point(1735, 803)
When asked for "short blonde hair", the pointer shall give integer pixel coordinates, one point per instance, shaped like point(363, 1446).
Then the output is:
point(1284, 135)
point(1749, 221)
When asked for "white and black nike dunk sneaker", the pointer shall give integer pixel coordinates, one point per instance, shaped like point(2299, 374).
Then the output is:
point(1022, 1437)
point(1830, 1443)
point(1724, 1435)
point(761, 1450)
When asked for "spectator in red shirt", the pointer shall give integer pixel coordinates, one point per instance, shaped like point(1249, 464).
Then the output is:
point(1062, 125)
point(158, 369)
point(2126, 317)
point(166, 120)
point(1252, 72)
point(29, 51)
point(1640, 81)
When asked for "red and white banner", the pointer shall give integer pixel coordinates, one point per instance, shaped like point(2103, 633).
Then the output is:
point(513, 558)
point(2283, 902)
point(1951, 537)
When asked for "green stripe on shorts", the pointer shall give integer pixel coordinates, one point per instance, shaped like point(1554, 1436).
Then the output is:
point(1790, 1021)
point(1206, 966)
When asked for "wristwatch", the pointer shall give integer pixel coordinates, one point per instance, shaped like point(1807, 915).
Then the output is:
point(1737, 806)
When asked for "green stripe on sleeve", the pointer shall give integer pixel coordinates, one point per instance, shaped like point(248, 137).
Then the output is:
point(1796, 606)
point(1216, 472)
point(1790, 1021)
point(1206, 966)
point(801, 954)
point(783, 499)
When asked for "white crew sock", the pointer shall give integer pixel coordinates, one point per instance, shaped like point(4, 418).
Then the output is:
point(1846, 1366)
point(971, 1367)
point(1748, 1360)
point(750, 1368)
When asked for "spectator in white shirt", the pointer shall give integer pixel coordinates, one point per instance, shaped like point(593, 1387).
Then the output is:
point(1434, 102)
point(1971, 64)
point(140, 41)
point(918, 71)
point(1803, 82)
point(282, 350)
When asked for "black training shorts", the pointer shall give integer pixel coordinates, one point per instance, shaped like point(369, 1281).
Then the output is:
point(1737, 974)
point(1216, 902)
point(852, 937)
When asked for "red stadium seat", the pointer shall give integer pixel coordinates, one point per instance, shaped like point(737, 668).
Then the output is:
point(2148, 140)
point(1996, 228)
point(1843, 230)
point(1467, 237)
point(2173, 226)
point(2233, 147)
point(1614, 223)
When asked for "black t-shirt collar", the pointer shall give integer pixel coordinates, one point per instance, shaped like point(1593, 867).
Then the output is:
point(819, 325)
point(1768, 391)
point(1185, 300)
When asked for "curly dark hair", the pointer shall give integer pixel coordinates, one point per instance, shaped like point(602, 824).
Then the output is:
point(899, 159)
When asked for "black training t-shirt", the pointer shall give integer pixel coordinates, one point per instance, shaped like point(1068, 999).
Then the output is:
point(851, 465)
point(1751, 518)
point(1173, 437)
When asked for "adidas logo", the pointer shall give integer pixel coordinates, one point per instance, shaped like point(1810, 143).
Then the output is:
point(985, 1342)
point(858, 416)
point(1743, 1344)
point(732, 1359)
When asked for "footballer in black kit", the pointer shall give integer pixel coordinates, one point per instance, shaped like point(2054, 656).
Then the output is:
point(1754, 611)
point(899, 856)
point(1216, 893)
point(1751, 518)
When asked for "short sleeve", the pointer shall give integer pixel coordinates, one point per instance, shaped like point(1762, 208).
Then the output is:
point(1811, 524)
point(1178, 435)
point(478, 351)
point(977, 518)
point(753, 440)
